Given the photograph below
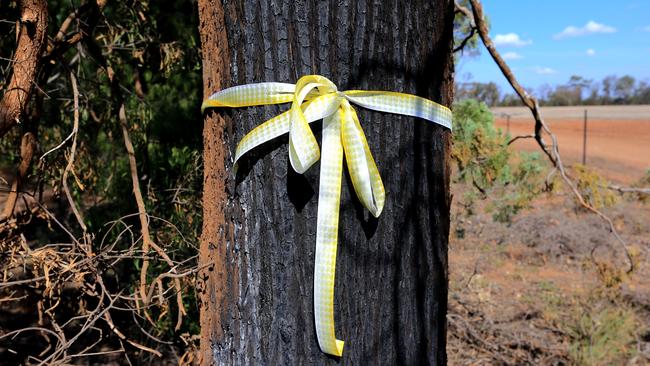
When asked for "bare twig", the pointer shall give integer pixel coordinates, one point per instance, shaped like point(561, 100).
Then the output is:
point(147, 243)
point(467, 38)
point(553, 154)
point(57, 146)
point(139, 200)
point(73, 150)
point(520, 137)
point(629, 189)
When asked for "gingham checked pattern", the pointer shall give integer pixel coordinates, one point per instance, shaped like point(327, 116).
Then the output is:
point(327, 225)
point(250, 95)
point(315, 97)
point(400, 103)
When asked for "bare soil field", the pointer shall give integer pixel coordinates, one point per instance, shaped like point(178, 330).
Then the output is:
point(606, 112)
point(618, 137)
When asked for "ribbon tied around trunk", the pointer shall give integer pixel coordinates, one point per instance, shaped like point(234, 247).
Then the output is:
point(312, 98)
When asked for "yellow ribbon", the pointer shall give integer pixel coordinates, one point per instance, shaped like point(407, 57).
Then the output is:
point(312, 98)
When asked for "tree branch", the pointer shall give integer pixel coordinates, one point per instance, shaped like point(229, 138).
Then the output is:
point(27, 147)
point(620, 189)
point(147, 242)
point(477, 18)
point(469, 36)
point(521, 137)
point(91, 11)
point(73, 151)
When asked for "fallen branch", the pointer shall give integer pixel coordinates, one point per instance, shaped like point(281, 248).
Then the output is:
point(628, 189)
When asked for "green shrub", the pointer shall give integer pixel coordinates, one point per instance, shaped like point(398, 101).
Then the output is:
point(482, 160)
point(593, 187)
point(602, 337)
point(480, 151)
point(526, 183)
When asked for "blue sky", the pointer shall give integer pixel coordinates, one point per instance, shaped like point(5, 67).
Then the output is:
point(548, 41)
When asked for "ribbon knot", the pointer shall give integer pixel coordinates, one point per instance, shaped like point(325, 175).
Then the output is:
point(312, 98)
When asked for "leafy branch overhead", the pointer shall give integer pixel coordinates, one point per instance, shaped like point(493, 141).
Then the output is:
point(484, 161)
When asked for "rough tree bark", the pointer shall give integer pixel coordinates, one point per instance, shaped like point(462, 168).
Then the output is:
point(31, 31)
point(259, 228)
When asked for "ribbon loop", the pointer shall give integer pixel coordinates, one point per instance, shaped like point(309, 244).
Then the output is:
point(314, 110)
point(312, 98)
point(361, 165)
point(303, 148)
point(251, 95)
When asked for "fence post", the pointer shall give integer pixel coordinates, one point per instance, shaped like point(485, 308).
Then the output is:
point(584, 140)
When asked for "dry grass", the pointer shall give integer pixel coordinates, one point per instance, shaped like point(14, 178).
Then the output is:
point(549, 288)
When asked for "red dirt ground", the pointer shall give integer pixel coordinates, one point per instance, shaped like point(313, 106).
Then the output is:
point(618, 149)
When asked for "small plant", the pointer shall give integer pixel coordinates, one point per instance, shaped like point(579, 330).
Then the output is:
point(526, 183)
point(592, 186)
point(602, 336)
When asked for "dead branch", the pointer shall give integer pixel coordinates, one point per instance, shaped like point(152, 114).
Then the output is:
point(73, 150)
point(113, 328)
point(553, 153)
point(477, 19)
point(87, 16)
point(620, 189)
point(147, 243)
point(520, 137)
point(467, 38)
point(60, 145)
point(139, 200)
point(26, 63)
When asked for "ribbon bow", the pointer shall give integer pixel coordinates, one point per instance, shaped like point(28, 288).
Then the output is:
point(312, 98)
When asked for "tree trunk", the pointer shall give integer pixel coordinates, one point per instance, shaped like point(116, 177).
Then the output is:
point(259, 229)
point(31, 39)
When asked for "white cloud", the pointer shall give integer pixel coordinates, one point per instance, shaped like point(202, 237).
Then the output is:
point(510, 40)
point(591, 52)
point(646, 28)
point(543, 70)
point(512, 56)
point(590, 28)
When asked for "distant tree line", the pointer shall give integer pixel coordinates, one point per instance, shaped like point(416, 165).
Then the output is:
point(577, 91)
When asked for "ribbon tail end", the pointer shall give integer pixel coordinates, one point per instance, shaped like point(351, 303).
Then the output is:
point(339, 348)
point(204, 106)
